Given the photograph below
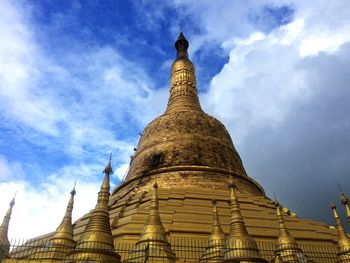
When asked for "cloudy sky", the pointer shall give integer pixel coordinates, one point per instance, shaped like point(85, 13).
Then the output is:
point(79, 79)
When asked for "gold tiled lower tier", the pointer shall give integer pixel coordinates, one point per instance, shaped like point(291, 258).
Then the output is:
point(186, 214)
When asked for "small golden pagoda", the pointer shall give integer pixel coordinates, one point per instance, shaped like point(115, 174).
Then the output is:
point(96, 243)
point(240, 246)
point(186, 157)
point(343, 239)
point(153, 245)
point(217, 240)
point(62, 242)
point(346, 203)
point(4, 241)
point(287, 249)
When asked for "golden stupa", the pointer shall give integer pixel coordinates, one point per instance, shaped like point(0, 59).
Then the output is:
point(188, 198)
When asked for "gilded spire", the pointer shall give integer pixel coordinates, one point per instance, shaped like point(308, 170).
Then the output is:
point(216, 244)
point(343, 238)
point(154, 229)
point(286, 248)
point(240, 245)
point(217, 234)
point(346, 203)
point(4, 241)
point(181, 46)
point(183, 91)
point(96, 242)
point(62, 242)
point(65, 229)
point(153, 243)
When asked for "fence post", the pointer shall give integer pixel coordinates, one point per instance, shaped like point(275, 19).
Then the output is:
point(146, 253)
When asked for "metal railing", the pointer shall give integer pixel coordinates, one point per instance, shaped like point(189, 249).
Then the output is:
point(183, 249)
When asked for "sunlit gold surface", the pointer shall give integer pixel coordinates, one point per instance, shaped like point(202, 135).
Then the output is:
point(4, 241)
point(343, 239)
point(185, 136)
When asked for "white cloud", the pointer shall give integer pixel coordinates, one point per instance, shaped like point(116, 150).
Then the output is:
point(255, 87)
point(9, 171)
point(44, 203)
point(263, 78)
point(50, 96)
point(21, 66)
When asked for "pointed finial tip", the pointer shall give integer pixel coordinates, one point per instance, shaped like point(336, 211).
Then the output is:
point(73, 192)
point(333, 206)
point(155, 185)
point(108, 170)
point(231, 183)
point(12, 203)
point(339, 186)
point(277, 204)
point(181, 27)
point(181, 46)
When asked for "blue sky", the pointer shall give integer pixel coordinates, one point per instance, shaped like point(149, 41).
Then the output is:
point(79, 79)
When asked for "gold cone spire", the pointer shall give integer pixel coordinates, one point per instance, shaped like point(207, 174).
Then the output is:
point(64, 232)
point(96, 242)
point(153, 244)
point(4, 241)
point(217, 240)
point(286, 248)
point(153, 229)
point(62, 242)
point(240, 246)
point(346, 203)
point(343, 238)
point(183, 91)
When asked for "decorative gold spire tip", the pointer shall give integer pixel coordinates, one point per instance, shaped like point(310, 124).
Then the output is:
point(344, 200)
point(108, 170)
point(181, 46)
point(231, 183)
point(12, 203)
point(155, 185)
point(73, 192)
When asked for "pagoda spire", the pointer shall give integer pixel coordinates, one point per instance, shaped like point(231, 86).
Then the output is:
point(153, 244)
point(240, 246)
point(154, 229)
point(4, 241)
point(64, 232)
point(217, 238)
point(346, 203)
point(96, 242)
point(343, 238)
point(62, 242)
point(286, 248)
point(183, 91)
